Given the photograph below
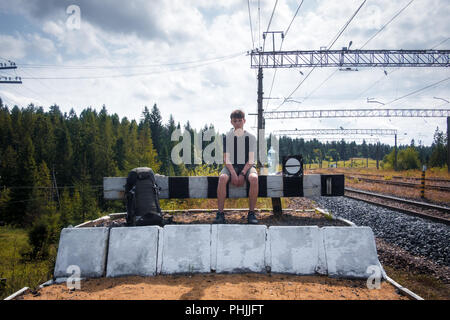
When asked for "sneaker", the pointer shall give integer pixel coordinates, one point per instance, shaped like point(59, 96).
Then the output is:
point(251, 219)
point(220, 218)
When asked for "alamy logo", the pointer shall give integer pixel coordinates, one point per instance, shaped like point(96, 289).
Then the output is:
point(73, 22)
point(190, 149)
point(373, 282)
point(74, 281)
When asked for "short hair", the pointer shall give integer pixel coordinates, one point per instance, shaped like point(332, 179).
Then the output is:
point(237, 114)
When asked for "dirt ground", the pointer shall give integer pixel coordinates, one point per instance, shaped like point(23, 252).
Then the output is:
point(218, 287)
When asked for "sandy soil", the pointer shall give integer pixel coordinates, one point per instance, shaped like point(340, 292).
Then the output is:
point(218, 287)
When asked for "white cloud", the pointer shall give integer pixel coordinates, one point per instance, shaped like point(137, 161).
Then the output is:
point(143, 33)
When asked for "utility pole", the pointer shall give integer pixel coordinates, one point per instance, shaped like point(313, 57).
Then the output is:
point(448, 144)
point(260, 112)
point(395, 153)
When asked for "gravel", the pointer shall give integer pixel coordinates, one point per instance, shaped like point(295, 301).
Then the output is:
point(418, 236)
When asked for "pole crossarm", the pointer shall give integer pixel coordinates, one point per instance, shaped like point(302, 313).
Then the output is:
point(316, 132)
point(358, 113)
point(350, 58)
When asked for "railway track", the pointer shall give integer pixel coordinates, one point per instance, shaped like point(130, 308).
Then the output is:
point(402, 184)
point(422, 209)
point(404, 178)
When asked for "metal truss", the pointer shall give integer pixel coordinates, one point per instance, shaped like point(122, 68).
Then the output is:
point(316, 132)
point(350, 58)
point(358, 113)
point(346, 139)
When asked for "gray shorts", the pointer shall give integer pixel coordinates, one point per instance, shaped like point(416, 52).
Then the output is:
point(238, 170)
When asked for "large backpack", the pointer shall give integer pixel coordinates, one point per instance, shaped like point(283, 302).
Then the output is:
point(142, 194)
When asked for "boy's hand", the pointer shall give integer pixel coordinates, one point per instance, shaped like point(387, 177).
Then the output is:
point(234, 179)
point(241, 180)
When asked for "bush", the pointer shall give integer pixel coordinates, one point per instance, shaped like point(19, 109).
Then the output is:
point(406, 159)
point(38, 238)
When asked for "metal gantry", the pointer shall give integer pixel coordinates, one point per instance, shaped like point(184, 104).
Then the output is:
point(316, 132)
point(357, 113)
point(350, 58)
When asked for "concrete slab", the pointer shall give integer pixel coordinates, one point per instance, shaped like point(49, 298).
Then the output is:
point(133, 251)
point(83, 247)
point(186, 249)
point(240, 248)
point(312, 185)
point(294, 249)
point(350, 251)
point(198, 187)
point(275, 186)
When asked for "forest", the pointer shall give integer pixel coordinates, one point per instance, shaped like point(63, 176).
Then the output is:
point(52, 163)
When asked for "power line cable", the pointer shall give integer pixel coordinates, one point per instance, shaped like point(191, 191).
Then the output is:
point(281, 46)
point(328, 48)
point(445, 40)
point(270, 21)
point(386, 24)
point(419, 90)
point(134, 74)
point(156, 65)
point(251, 27)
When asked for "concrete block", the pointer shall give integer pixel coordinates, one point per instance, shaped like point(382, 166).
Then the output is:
point(198, 187)
point(186, 249)
point(133, 251)
point(275, 186)
point(312, 185)
point(241, 248)
point(85, 248)
point(294, 249)
point(350, 251)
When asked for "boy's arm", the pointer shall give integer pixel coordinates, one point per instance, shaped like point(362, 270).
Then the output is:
point(249, 163)
point(228, 164)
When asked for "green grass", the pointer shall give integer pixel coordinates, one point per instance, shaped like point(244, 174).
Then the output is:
point(17, 272)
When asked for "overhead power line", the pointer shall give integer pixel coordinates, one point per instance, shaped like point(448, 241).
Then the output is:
point(386, 24)
point(281, 46)
point(251, 27)
point(135, 66)
point(328, 48)
point(270, 22)
point(138, 73)
point(419, 90)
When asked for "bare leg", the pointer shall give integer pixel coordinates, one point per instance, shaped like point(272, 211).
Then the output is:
point(222, 191)
point(253, 191)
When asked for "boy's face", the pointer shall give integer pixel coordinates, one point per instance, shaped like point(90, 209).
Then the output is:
point(238, 123)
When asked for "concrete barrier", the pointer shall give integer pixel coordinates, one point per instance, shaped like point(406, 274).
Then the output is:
point(186, 249)
point(239, 248)
point(350, 251)
point(296, 250)
point(133, 251)
point(345, 252)
point(85, 248)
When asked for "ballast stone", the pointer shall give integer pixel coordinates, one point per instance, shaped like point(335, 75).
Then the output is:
point(133, 251)
point(84, 248)
point(350, 251)
point(186, 249)
point(240, 248)
point(296, 250)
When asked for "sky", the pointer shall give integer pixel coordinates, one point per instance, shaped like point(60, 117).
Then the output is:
point(190, 57)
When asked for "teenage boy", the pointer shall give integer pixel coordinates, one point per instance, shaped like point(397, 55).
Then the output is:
point(239, 159)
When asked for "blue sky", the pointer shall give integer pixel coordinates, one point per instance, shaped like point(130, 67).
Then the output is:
point(189, 58)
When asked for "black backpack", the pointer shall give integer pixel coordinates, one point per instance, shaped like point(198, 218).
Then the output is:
point(142, 195)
